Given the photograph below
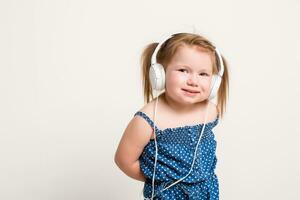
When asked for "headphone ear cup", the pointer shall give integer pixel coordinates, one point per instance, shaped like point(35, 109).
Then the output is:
point(216, 80)
point(157, 76)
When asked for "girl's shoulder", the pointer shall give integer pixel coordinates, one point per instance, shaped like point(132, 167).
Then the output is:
point(138, 131)
point(148, 109)
point(213, 112)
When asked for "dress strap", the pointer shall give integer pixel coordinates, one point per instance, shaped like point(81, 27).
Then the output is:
point(150, 122)
point(213, 123)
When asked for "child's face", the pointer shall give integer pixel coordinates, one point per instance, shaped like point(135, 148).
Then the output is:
point(188, 75)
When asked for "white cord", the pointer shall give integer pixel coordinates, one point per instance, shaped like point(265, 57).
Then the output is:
point(156, 148)
point(156, 152)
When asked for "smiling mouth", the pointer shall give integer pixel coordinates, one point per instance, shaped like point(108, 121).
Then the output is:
point(190, 91)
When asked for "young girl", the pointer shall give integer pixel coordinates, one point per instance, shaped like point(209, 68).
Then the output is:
point(168, 144)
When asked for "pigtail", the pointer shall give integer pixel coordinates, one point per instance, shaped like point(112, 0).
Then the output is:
point(145, 64)
point(223, 90)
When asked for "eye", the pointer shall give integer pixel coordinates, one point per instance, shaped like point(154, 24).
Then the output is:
point(203, 74)
point(182, 70)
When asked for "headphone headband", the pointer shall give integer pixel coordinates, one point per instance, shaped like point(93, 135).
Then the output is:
point(220, 66)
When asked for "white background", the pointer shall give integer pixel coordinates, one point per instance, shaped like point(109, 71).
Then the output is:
point(70, 82)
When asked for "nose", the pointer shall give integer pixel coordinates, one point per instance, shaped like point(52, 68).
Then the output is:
point(192, 80)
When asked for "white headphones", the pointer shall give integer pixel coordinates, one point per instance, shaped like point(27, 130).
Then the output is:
point(157, 72)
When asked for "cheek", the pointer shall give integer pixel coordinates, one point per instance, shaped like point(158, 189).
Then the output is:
point(174, 79)
point(205, 82)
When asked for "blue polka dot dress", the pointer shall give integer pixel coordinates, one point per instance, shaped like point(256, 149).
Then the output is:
point(176, 148)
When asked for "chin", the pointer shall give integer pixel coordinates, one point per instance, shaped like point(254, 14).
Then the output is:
point(188, 101)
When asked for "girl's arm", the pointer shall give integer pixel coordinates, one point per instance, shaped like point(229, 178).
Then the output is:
point(134, 139)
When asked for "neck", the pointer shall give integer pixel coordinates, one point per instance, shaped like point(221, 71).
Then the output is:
point(181, 108)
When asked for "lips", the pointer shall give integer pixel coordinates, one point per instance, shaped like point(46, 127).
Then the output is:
point(190, 91)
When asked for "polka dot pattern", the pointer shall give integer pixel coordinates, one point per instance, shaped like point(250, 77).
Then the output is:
point(176, 148)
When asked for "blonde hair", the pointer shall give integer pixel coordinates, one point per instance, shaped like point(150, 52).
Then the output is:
point(166, 53)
